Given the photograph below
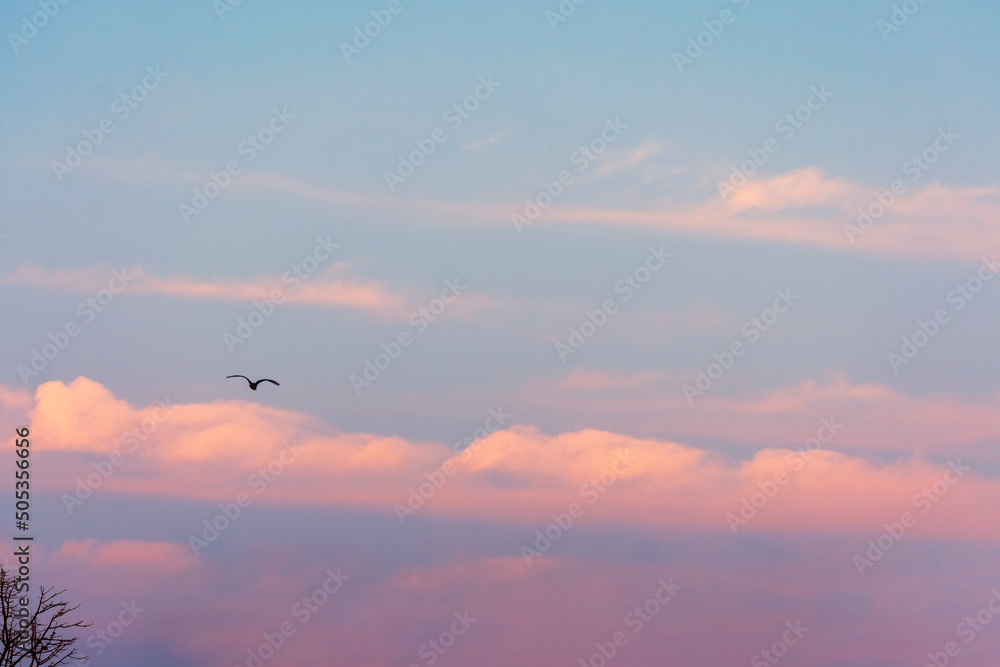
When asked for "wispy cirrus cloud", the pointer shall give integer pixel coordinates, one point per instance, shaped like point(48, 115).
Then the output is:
point(800, 207)
point(331, 287)
point(489, 140)
point(616, 160)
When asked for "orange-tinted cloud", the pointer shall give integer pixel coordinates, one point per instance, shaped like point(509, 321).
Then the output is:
point(795, 189)
point(110, 560)
point(877, 418)
point(328, 287)
point(216, 451)
point(804, 206)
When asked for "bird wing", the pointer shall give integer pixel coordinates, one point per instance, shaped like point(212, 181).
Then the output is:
point(238, 376)
point(271, 381)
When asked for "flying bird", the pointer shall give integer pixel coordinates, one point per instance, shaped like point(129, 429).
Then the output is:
point(253, 385)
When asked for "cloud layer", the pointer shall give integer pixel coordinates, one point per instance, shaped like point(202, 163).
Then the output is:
point(518, 475)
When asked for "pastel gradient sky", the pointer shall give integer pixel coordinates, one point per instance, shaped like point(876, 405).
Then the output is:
point(571, 307)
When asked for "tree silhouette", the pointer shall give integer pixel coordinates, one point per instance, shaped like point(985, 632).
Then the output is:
point(42, 643)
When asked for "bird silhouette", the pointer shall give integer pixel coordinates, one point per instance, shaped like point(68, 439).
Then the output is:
point(253, 385)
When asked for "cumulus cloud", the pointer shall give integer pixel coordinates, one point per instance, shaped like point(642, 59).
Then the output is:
point(879, 420)
point(211, 451)
point(82, 416)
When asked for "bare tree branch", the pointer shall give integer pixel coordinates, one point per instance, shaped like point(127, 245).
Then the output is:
point(45, 643)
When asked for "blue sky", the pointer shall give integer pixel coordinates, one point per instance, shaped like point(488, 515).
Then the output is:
point(320, 178)
point(558, 86)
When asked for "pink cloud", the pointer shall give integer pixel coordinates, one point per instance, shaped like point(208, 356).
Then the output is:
point(620, 160)
point(554, 611)
point(108, 561)
point(877, 418)
point(329, 287)
point(804, 206)
point(213, 451)
point(15, 402)
point(794, 189)
point(81, 416)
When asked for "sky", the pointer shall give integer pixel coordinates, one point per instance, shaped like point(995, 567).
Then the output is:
point(605, 333)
